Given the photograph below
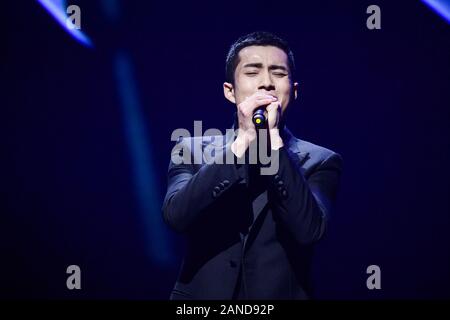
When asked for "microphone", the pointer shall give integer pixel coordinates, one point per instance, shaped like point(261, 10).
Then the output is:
point(259, 119)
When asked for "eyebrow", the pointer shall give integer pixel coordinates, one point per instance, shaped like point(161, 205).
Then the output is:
point(260, 65)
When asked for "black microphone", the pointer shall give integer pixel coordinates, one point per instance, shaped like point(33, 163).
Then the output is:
point(259, 119)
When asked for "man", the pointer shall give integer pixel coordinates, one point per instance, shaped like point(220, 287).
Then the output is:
point(249, 235)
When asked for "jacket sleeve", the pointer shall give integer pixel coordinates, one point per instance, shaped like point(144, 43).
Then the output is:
point(304, 204)
point(189, 192)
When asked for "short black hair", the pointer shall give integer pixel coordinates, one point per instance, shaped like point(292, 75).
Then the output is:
point(258, 38)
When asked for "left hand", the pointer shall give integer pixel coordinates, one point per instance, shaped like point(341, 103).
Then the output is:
point(273, 120)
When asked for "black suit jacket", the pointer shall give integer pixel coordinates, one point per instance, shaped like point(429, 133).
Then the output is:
point(249, 236)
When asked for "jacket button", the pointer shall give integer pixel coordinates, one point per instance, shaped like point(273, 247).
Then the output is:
point(284, 194)
point(280, 183)
point(222, 185)
point(226, 183)
point(276, 177)
point(217, 189)
point(214, 194)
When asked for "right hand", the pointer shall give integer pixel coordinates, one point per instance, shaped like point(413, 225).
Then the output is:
point(247, 131)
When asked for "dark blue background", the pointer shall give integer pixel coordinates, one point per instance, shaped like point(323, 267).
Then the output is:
point(69, 192)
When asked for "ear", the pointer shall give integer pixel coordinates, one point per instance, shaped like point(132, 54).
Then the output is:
point(228, 92)
point(295, 88)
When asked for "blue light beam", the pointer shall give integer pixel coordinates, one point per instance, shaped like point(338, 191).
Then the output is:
point(142, 164)
point(441, 7)
point(57, 9)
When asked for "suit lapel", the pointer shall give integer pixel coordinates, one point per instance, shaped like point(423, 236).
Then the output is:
point(261, 202)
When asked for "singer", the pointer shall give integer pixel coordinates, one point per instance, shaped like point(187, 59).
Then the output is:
point(249, 235)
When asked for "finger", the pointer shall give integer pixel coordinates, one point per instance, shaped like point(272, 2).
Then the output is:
point(250, 107)
point(266, 96)
point(263, 102)
point(258, 97)
point(272, 109)
point(272, 114)
point(273, 105)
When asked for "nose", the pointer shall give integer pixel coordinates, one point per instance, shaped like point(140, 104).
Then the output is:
point(266, 81)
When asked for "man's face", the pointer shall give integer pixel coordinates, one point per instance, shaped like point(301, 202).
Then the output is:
point(264, 69)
